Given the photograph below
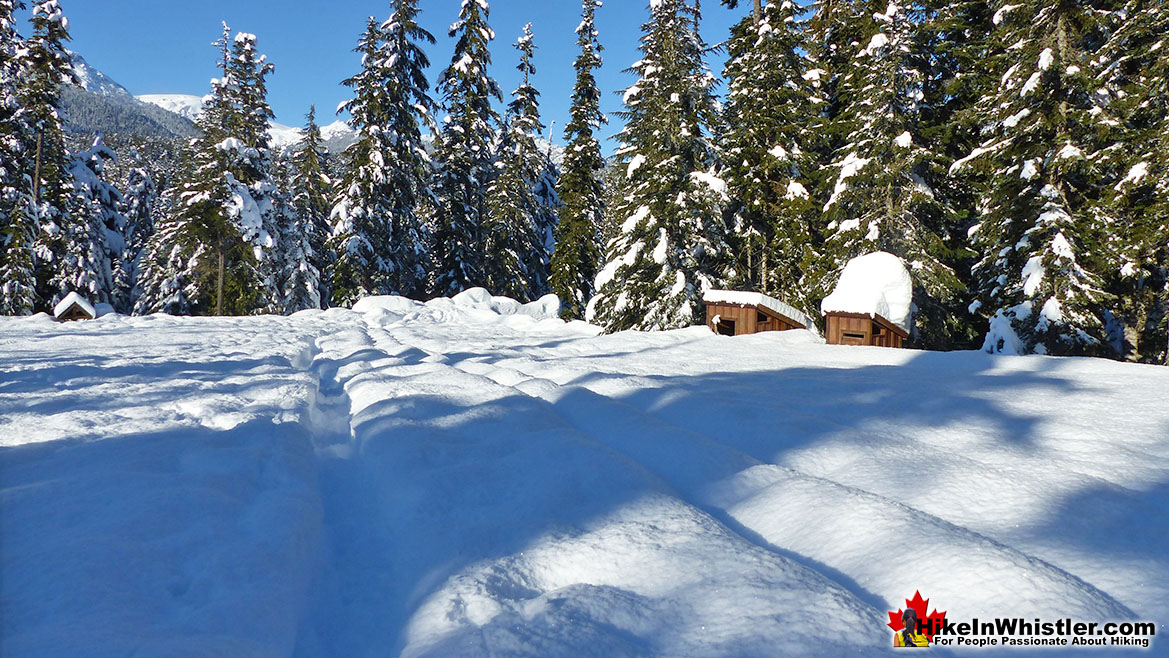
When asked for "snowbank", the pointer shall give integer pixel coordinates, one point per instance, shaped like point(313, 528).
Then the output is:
point(473, 477)
point(874, 284)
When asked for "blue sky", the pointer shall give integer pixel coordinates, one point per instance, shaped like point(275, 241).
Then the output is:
point(163, 46)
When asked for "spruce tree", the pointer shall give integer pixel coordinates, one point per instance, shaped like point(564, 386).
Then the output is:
point(881, 200)
point(1131, 113)
point(522, 201)
point(95, 235)
point(578, 243)
point(764, 147)
point(379, 234)
point(464, 154)
point(19, 228)
point(410, 111)
point(46, 66)
point(361, 212)
point(310, 188)
point(140, 200)
point(958, 38)
point(1040, 230)
point(225, 228)
point(672, 241)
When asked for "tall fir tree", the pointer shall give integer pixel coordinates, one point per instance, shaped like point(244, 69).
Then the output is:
point(767, 159)
point(410, 113)
point(464, 154)
point(881, 200)
point(19, 227)
point(521, 202)
point(1132, 119)
point(672, 241)
point(96, 232)
point(361, 212)
point(225, 228)
point(46, 66)
point(578, 235)
point(140, 200)
point(1040, 230)
point(957, 35)
point(379, 233)
point(309, 188)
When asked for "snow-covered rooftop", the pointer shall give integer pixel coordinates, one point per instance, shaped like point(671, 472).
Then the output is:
point(874, 284)
point(756, 299)
point(71, 299)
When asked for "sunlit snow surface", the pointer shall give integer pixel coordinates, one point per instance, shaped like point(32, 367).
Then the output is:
point(475, 478)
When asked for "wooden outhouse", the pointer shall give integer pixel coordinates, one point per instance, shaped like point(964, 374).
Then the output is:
point(872, 303)
point(74, 307)
point(862, 329)
point(736, 313)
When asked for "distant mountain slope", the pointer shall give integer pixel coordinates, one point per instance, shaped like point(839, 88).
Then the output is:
point(102, 106)
point(93, 113)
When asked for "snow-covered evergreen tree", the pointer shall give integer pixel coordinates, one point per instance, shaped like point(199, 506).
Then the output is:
point(306, 257)
point(522, 201)
point(46, 65)
point(225, 229)
point(1040, 227)
point(464, 154)
point(672, 242)
point(577, 254)
point(1132, 118)
point(767, 122)
point(168, 267)
point(881, 200)
point(140, 199)
point(19, 228)
point(95, 235)
point(379, 234)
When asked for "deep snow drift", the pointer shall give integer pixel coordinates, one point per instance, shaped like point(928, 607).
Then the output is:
point(474, 477)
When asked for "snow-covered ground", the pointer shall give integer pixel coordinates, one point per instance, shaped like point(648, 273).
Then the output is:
point(471, 477)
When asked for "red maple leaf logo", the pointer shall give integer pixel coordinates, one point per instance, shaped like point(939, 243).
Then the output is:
point(919, 606)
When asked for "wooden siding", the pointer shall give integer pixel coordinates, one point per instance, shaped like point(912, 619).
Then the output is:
point(860, 329)
point(747, 319)
point(74, 312)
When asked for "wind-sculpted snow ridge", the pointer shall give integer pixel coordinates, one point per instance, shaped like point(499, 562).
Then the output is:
point(474, 477)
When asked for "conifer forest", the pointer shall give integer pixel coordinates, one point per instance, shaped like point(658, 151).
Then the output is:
point(1014, 154)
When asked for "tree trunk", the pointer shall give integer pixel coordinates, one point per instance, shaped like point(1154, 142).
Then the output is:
point(219, 285)
point(36, 177)
point(763, 272)
point(758, 10)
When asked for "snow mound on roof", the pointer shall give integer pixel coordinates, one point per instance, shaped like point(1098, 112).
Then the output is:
point(756, 299)
point(874, 284)
point(71, 299)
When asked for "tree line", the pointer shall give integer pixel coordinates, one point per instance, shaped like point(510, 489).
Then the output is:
point(1011, 153)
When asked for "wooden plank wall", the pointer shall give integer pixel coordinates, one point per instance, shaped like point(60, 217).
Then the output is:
point(875, 331)
point(744, 318)
point(747, 319)
point(838, 325)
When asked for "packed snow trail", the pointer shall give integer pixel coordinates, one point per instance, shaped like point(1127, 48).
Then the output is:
point(471, 477)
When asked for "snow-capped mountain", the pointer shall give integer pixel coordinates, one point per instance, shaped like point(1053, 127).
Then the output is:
point(184, 105)
point(338, 135)
point(93, 80)
point(99, 105)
